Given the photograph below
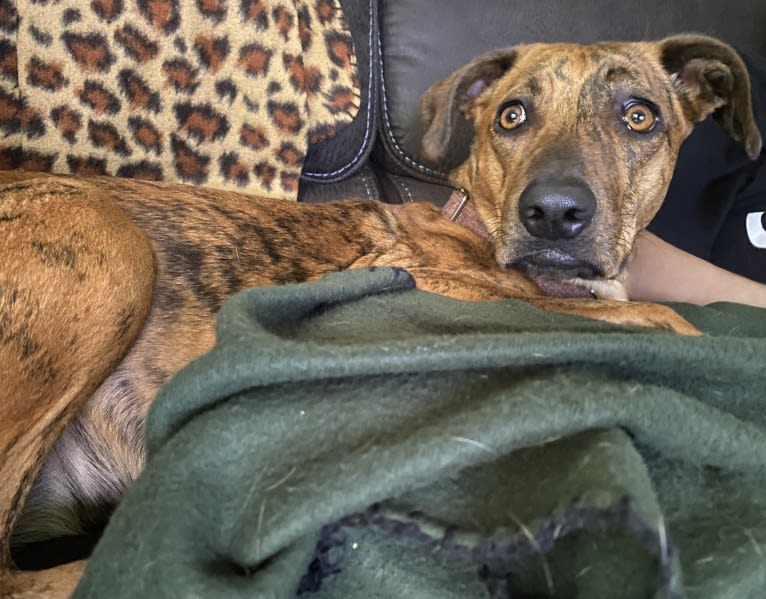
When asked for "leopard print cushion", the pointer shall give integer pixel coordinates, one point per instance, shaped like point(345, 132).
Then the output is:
point(223, 93)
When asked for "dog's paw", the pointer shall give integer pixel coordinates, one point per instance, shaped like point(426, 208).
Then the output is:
point(604, 289)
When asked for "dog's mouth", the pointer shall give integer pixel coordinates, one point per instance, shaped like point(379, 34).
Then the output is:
point(555, 272)
point(556, 264)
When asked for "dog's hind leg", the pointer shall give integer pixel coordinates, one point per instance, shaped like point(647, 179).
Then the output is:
point(76, 280)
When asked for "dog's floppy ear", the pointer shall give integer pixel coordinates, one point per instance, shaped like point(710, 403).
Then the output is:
point(709, 76)
point(458, 90)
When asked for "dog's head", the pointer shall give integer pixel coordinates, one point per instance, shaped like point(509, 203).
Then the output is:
point(575, 146)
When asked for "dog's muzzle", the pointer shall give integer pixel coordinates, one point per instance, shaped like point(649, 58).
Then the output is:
point(556, 212)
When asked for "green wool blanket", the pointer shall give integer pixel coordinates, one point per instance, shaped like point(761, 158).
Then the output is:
point(356, 438)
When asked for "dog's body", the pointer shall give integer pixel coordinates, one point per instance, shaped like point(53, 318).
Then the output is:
point(108, 286)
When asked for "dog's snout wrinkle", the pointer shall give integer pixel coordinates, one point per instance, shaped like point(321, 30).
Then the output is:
point(556, 210)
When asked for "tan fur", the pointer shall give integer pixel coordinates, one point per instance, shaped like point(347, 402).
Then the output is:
point(110, 286)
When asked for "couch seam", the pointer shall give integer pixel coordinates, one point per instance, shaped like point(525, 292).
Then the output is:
point(402, 184)
point(365, 182)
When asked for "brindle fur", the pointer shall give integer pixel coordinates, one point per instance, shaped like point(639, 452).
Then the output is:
point(109, 286)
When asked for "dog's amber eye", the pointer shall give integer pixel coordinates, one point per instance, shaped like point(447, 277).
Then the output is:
point(512, 115)
point(639, 117)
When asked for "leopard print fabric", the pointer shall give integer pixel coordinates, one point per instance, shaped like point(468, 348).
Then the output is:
point(223, 93)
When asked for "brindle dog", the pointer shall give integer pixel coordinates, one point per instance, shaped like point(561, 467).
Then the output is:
point(108, 286)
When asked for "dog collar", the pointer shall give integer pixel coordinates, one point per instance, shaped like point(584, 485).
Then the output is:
point(461, 210)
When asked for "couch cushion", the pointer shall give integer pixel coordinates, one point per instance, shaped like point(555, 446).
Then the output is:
point(340, 156)
point(363, 184)
point(211, 95)
point(424, 40)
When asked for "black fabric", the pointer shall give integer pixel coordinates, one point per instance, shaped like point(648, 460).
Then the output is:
point(342, 155)
point(715, 188)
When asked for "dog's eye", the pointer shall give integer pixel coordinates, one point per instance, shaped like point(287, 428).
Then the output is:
point(511, 115)
point(639, 116)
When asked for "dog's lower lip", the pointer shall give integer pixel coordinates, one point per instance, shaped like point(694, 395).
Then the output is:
point(555, 264)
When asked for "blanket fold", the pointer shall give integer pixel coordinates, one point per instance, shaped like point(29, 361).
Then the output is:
point(356, 437)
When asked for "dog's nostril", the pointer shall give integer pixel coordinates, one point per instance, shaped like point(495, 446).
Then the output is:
point(535, 213)
point(573, 215)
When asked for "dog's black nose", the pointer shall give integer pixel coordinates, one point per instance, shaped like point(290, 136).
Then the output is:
point(556, 209)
